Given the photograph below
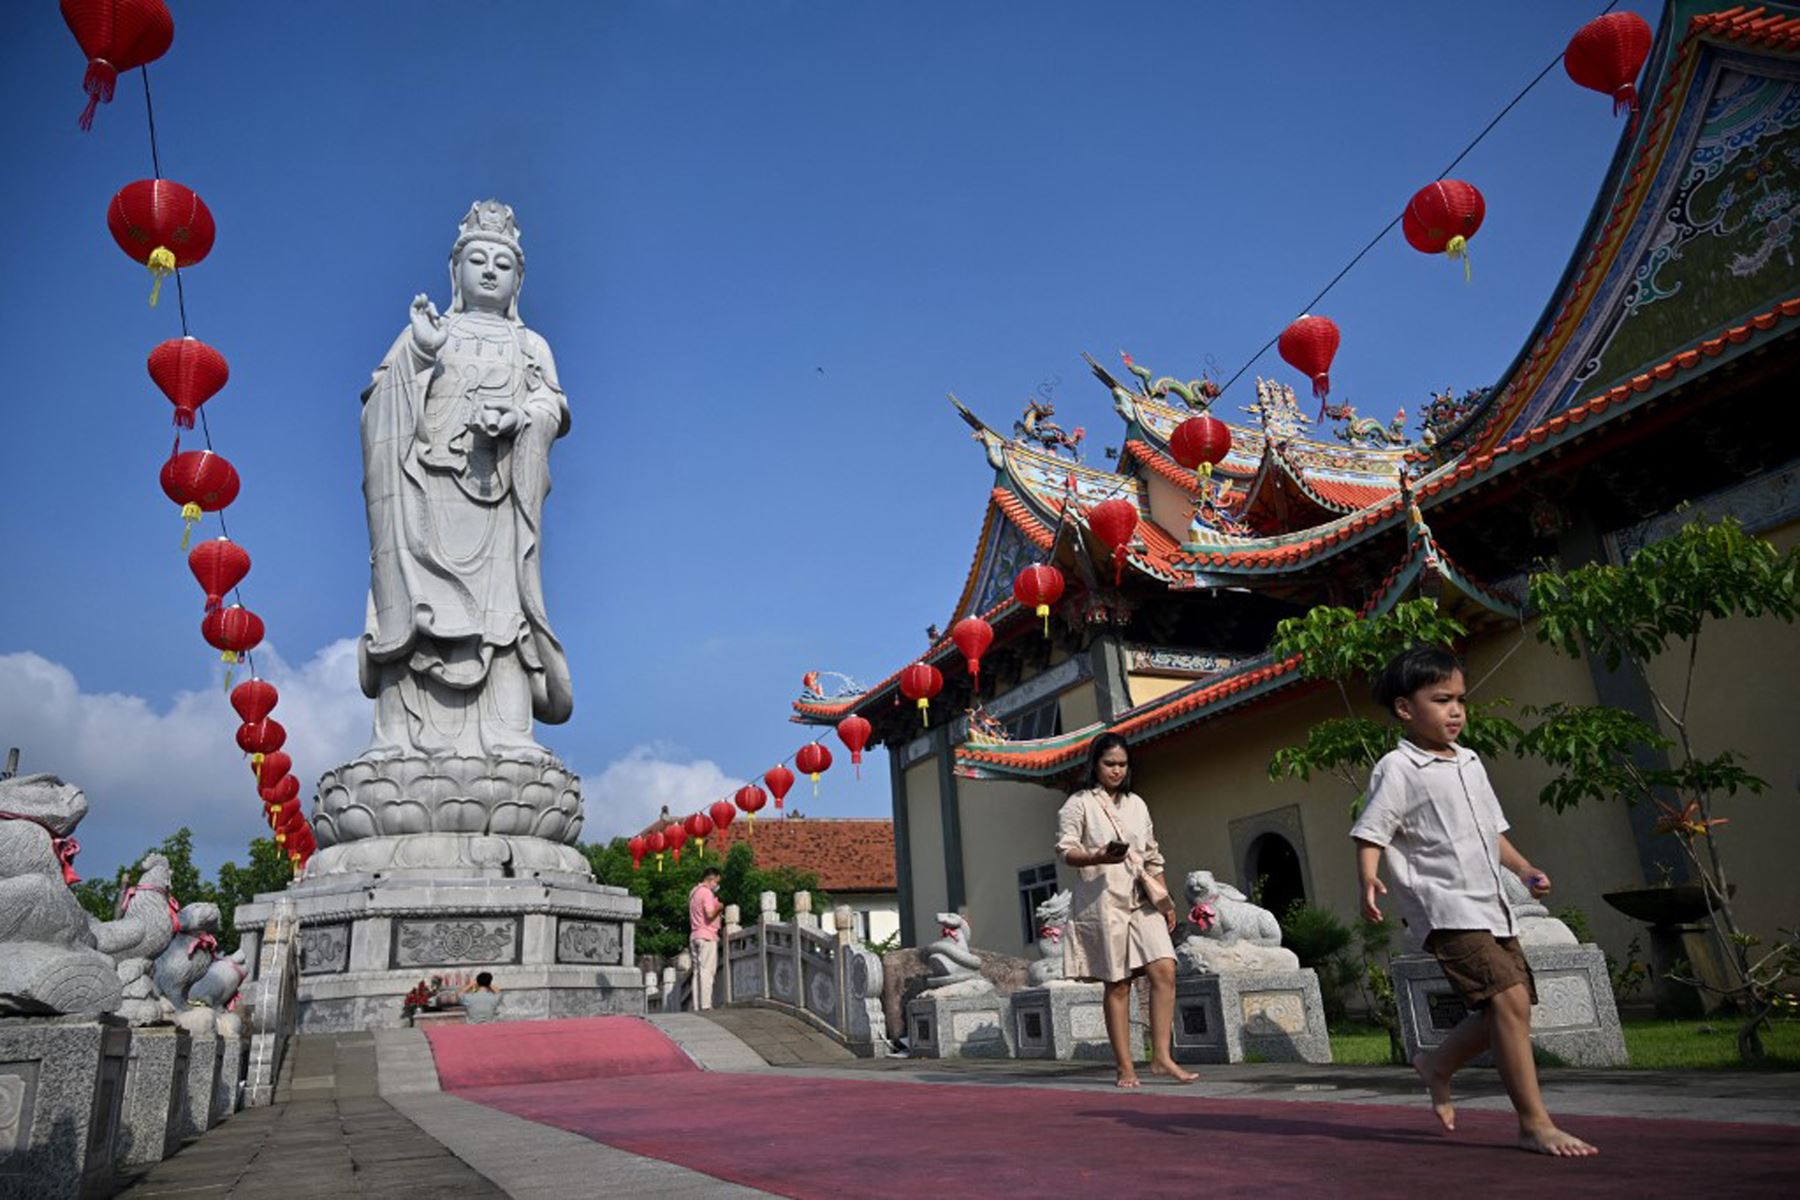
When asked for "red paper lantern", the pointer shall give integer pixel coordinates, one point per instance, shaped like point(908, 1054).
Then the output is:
point(919, 683)
point(750, 798)
point(201, 482)
point(218, 565)
point(675, 837)
point(1114, 521)
point(1606, 55)
point(1309, 345)
point(813, 759)
point(283, 790)
point(273, 769)
point(655, 843)
point(116, 35)
point(233, 631)
point(698, 827)
point(723, 814)
point(1038, 587)
point(779, 779)
point(254, 699)
point(262, 737)
point(190, 373)
point(1442, 217)
point(854, 732)
point(972, 636)
point(638, 846)
point(161, 224)
point(1200, 444)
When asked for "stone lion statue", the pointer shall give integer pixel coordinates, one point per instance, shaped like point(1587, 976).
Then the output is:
point(1228, 933)
point(48, 960)
point(1052, 918)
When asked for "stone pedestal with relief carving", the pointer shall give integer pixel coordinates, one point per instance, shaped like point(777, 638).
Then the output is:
point(557, 943)
point(1066, 1020)
point(62, 1085)
point(1259, 1016)
point(1575, 1017)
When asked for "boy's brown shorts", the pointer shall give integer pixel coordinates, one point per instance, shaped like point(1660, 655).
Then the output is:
point(1479, 965)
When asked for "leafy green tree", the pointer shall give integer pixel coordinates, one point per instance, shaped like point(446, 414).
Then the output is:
point(1662, 600)
point(663, 929)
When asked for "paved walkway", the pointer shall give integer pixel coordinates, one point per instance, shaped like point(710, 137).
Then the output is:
point(362, 1114)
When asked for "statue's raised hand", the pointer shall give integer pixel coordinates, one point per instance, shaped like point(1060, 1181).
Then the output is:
point(428, 328)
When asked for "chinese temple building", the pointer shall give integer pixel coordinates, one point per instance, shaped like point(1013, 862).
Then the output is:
point(1654, 387)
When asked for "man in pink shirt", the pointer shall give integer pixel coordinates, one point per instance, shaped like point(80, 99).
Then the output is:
point(704, 913)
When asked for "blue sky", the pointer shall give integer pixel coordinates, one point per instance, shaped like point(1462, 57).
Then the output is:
point(763, 240)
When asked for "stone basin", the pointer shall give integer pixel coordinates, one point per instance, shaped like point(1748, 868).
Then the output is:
point(1676, 904)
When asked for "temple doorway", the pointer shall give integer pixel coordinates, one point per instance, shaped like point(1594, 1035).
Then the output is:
point(1273, 860)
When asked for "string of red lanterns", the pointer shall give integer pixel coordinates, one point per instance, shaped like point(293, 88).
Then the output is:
point(166, 226)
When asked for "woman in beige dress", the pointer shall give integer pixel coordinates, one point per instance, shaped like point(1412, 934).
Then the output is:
point(1115, 934)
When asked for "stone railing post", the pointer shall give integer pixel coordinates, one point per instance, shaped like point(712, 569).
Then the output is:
point(803, 913)
point(671, 991)
point(732, 927)
point(273, 1000)
point(650, 997)
point(768, 914)
point(684, 974)
point(845, 922)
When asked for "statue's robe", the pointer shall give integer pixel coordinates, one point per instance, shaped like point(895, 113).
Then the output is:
point(457, 650)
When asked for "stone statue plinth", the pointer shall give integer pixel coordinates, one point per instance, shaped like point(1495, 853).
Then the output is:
point(512, 796)
point(1277, 1016)
point(960, 1020)
point(1066, 1020)
point(448, 845)
point(1575, 1018)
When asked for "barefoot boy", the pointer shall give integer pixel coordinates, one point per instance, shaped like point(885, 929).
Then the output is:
point(1434, 814)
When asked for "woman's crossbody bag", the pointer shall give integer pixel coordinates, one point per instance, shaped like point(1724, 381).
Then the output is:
point(1155, 891)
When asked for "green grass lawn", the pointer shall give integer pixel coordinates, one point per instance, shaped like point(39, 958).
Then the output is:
point(1694, 1045)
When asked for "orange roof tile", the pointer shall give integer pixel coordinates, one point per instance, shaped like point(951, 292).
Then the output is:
point(847, 854)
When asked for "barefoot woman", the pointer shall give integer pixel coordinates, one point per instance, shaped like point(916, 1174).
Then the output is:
point(1115, 933)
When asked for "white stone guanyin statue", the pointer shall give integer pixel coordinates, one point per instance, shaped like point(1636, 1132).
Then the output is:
point(457, 650)
point(1231, 934)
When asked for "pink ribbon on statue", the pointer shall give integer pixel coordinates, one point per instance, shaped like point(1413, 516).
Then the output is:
point(174, 908)
point(203, 941)
point(1204, 916)
point(1051, 933)
point(65, 848)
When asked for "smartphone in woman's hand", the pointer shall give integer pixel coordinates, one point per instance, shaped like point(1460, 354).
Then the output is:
point(1116, 849)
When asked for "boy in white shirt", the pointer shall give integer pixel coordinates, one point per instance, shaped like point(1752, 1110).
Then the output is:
point(1433, 815)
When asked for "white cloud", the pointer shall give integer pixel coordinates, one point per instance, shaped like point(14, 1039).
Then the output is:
point(148, 772)
point(629, 793)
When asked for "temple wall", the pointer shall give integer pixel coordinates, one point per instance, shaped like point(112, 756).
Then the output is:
point(1743, 701)
point(1169, 505)
point(1080, 707)
point(1007, 826)
point(1145, 688)
point(925, 832)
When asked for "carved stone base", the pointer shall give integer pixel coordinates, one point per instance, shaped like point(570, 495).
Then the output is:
point(61, 1088)
point(1066, 1020)
point(949, 1024)
point(1237, 1017)
point(1575, 1017)
point(524, 796)
point(556, 946)
point(155, 1083)
point(444, 855)
point(196, 1116)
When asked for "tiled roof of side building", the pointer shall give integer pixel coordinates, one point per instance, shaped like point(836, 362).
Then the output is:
point(847, 854)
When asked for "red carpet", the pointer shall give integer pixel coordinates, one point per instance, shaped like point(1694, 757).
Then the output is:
point(838, 1138)
point(534, 1052)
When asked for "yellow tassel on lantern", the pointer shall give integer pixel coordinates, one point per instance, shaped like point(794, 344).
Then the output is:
point(924, 712)
point(815, 779)
point(659, 864)
point(256, 762)
point(190, 513)
point(1043, 610)
point(162, 264)
point(1458, 247)
point(701, 842)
